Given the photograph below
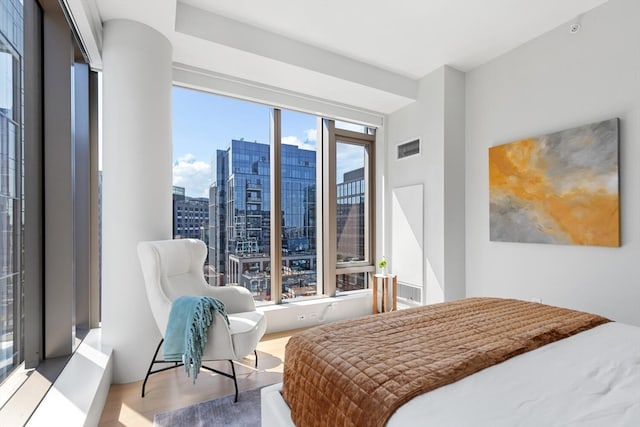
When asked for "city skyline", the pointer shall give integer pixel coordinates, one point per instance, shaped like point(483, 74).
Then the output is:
point(204, 123)
point(240, 220)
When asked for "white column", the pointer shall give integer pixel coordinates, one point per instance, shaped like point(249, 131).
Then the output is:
point(136, 196)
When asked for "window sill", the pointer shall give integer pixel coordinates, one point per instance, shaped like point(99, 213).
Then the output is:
point(81, 402)
point(66, 391)
point(315, 311)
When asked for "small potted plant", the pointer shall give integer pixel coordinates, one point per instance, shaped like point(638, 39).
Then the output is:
point(382, 265)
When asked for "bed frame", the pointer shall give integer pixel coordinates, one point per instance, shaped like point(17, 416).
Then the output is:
point(275, 411)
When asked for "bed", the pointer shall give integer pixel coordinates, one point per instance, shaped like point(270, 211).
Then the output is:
point(472, 362)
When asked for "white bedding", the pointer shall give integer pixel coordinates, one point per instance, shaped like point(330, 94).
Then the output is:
point(589, 379)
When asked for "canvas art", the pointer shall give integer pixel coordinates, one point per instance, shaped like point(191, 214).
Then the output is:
point(559, 188)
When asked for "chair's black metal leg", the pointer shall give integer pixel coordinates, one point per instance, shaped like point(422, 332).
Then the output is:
point(256, 353)
point(235, 382)
point(177, 364)
point(144, 384)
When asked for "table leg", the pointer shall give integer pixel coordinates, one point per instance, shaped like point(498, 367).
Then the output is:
point(373, 284)
point(385, 294)
point(395, 293)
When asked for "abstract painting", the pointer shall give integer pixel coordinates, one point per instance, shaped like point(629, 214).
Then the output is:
point(559, 188)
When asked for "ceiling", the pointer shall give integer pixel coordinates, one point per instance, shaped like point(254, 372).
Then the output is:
point(368, 54)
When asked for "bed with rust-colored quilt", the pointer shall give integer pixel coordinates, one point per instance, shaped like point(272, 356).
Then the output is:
point(359, 372)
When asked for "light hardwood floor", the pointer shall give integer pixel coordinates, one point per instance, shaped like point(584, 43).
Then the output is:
point(172, 389)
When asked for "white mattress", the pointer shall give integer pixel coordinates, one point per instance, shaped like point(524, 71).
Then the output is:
point(589, 379)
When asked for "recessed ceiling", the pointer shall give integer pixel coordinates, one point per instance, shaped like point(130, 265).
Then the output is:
point(409, 37)
point(370, 52)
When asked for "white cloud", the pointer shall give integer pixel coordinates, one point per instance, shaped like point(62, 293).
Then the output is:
point(192, 174)
point(312, 135)
point(303, 145)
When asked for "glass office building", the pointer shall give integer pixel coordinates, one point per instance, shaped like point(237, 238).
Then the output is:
point(190, 216)
point(351, 227)
point(240, 219)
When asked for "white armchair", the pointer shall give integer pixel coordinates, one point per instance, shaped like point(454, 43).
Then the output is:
point(173, 268)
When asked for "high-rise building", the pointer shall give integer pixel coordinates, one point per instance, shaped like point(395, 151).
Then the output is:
point(190, 216)
point(240, 212)
point(350, 216)
point(217, 217)
point(351, 222)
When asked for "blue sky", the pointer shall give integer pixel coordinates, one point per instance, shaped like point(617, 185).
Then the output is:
point(203, 122)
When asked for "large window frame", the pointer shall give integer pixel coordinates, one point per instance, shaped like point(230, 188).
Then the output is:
point(326, 206)
point(331, 269)
point(12, 200)
point(276, 203)
point(56, 312)
point(330, 132)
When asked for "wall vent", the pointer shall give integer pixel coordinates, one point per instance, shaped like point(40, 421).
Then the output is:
point(410, 148)
point(409, 294)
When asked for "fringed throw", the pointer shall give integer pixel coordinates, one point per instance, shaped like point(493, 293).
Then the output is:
point(186, 335)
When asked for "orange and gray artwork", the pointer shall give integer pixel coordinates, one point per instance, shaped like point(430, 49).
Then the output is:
point(559, 188)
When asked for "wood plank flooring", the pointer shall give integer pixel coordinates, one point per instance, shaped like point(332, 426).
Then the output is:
point(172, 389)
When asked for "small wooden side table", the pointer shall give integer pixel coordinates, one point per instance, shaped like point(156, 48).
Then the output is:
point(389, 284)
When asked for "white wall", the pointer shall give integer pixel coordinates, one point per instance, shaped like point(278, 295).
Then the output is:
point(558, 81)
point(437, 118)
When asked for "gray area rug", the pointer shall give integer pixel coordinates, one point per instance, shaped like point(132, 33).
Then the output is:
point(218, 412)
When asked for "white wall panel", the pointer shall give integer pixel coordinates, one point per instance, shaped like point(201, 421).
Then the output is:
point(558, 81)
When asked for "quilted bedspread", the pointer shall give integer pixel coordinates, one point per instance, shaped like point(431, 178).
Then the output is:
point(358, 372)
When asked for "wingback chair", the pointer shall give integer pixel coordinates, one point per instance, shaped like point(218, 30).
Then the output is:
point(173, 268)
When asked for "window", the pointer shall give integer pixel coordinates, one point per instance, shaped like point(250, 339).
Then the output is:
point(225, 153)
point(44, 309)
point(11, 189)
point(298, 205)
point(348, 206)
point(221, 167)
point(350, 213)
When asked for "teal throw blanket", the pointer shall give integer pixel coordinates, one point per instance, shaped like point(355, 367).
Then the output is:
point(186, 333)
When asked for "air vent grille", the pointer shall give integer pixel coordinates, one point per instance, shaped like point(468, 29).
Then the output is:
point(408, 293)
point(410, 148)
